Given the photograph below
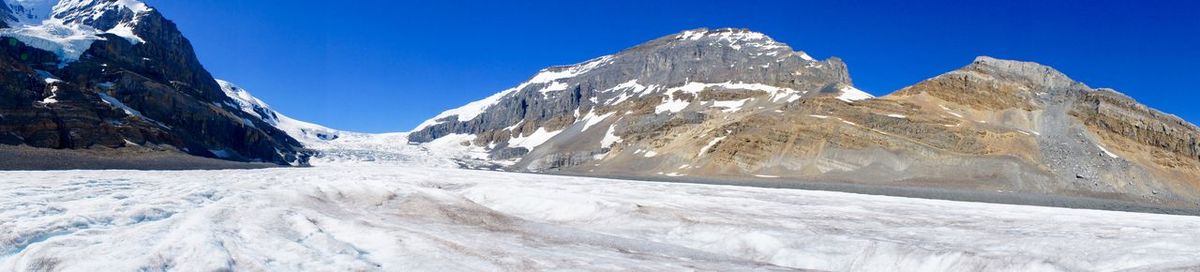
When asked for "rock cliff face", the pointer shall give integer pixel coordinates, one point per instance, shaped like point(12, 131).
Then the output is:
point(735, 104)
point(94, 74)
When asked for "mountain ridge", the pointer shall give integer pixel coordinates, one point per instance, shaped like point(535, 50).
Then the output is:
point(111, 75)
point(1013, 125)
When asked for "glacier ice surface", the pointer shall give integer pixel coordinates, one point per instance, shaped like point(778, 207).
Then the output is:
point(384, 218)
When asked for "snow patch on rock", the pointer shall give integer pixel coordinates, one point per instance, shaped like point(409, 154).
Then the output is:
point(851, 94)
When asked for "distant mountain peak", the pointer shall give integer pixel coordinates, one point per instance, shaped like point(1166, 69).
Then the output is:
point(734, 38)
point(1032, 72)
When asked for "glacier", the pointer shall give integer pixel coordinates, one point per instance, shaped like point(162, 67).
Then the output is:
point(66, 28)
point(402, 218)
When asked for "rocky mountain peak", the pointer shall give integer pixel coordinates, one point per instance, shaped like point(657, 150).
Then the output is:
point(732, 39)
point(699, 57)
point(117, 74)
point(565, 115)
point(1023, 71)
point(728, 36)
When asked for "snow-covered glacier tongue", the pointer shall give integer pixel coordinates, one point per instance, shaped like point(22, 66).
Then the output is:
point(356, 218)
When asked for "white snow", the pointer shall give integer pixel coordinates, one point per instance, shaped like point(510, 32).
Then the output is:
point(650, 154)
point(1106, 152)
point(116, 103)
point(591, 119)
point(468, 111)
point(47, 77)
point(691, 35)
point(851, 94)
point(710, 145)
point(766, 176)
point(900, 116)
point(305, 132)
point(48, 24)
point(735, 39)
point(610, 137)
point(125, 30)
point(674, 105)
point(556, 73)
point(805, 56)
point(730, 106)
point(697, 87)
point(948, 110)
point(423, 219)
point(671, 105)
point(534, 140)
point(67, 41)
point(547, 76)
point(629, 89)
point(631, 85)
point(553, 87)
point(818, 116)
point(53, 98)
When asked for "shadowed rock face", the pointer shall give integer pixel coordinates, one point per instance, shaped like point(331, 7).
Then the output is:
point(153, 94)
point(5, 15)
point(735, 104)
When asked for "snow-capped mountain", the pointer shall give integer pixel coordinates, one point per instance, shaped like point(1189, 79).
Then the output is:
point(734, 104)
point(305, 132)
point(566, 115)
point(116, 78)
point(68, 27)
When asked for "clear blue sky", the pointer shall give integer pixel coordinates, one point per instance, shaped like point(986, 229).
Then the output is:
point(381, 66)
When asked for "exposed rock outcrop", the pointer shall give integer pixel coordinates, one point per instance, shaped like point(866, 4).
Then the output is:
point(141, 89)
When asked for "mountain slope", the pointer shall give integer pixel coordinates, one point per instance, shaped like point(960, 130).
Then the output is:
point(736, 105)
point(118, 76)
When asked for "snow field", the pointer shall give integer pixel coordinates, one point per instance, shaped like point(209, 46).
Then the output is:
point(377, 218)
